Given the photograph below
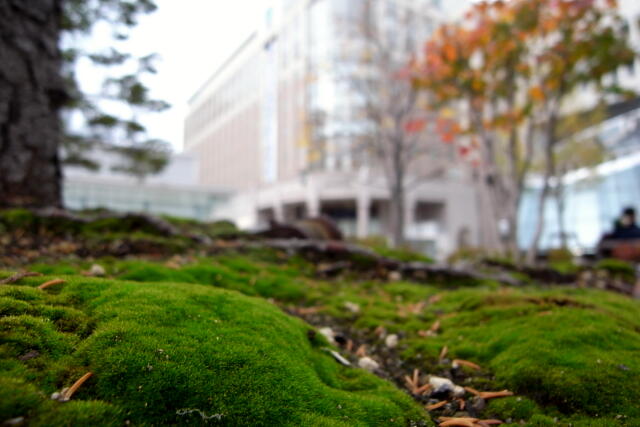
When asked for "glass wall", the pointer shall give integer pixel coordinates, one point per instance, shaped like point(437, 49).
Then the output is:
point(592, 206)
point(157, 200)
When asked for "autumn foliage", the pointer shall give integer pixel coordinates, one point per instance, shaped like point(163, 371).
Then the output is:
point(506, 74)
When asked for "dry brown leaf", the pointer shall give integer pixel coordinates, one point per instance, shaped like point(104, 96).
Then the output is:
point(435, 327)
point(53, 282)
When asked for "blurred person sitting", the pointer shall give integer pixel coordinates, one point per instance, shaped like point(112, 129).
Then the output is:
point(626, 227)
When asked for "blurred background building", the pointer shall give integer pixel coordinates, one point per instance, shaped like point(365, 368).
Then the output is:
point(175, 191)
point(280, 122)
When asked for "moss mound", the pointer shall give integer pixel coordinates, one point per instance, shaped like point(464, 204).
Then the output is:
point(169, 353)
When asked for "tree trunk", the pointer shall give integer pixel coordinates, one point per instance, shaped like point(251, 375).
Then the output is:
point(560, 209)
point(397, 216)
point(32, 92)
point(549, 172)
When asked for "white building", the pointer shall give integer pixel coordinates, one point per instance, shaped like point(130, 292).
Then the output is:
point(254, 125)
point(174, 191)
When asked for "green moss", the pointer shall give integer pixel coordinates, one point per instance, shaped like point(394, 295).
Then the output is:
point(381, 247)
point(167, 353)
point(573, 350)
point(617, 268)
point(515, 408)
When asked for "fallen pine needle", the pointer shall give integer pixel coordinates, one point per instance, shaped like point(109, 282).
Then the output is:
point(443, 352)
point(466, 363)
point(53, 282)
point(18, 276)
point(461, 422)
point(436, 405)
point(422, 390)
point(67, 395)
point(304, 311)
point(461, 403)
point(362, 351)
point(472, 391)
point(349, 346)
point(493, 394)
point(490, 422)
point(435, 299)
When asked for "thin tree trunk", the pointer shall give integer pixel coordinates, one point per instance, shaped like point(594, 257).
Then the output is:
point(31, 95)
point(560, 209)
point(549, 172)
point(397, 217)
point(397, 197)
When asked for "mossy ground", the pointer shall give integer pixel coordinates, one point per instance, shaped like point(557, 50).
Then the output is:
point(172, 353)
point(570, 355)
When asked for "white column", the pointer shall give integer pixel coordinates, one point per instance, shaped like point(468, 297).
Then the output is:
point(278, 211)
point(363, 204)
point(312, 197)
point(409, 214)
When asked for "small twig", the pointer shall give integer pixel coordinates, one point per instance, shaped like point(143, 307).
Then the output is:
point(53, 282)
point(67, 394)
point(18, 276)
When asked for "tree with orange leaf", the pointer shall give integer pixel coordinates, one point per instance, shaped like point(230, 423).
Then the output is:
point(511, 67)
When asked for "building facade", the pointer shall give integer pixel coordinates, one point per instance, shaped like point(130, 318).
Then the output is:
point(174, 191)
point(280, 120)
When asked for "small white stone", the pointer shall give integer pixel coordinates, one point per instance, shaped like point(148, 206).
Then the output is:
point(441, 385)
point(395, 276)
point(352, 307)
point(459, 391)
point(97, 270)
point(368, 364)
point(328, 334)
point(391, 341)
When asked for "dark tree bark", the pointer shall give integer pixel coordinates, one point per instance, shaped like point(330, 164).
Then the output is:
point(32, 91)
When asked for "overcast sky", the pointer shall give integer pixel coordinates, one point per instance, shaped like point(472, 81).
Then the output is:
point(192, 37)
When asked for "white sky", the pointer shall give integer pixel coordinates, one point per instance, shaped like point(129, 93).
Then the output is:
point(192, 37)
